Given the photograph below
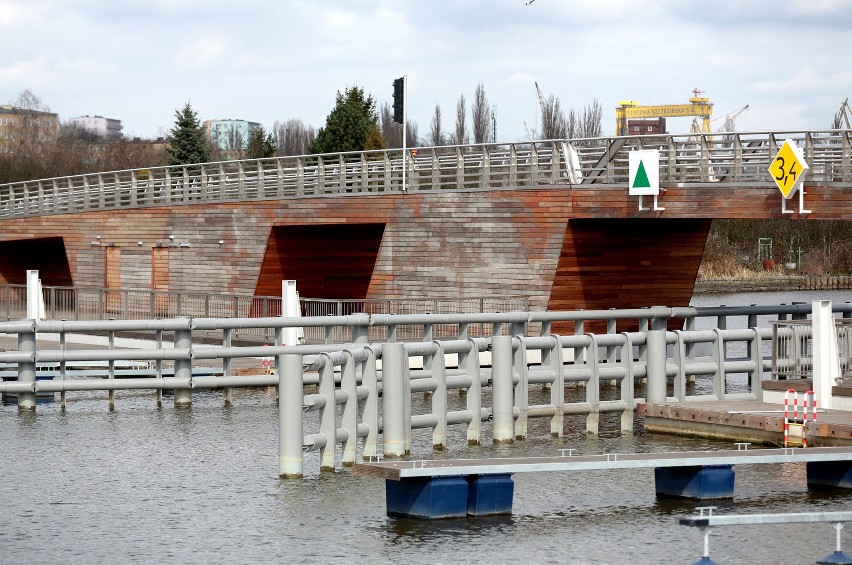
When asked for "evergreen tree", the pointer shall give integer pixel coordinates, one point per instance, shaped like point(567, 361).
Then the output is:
point(348, 125)
point(375, 139)
point(187, 141)
point(260, 145)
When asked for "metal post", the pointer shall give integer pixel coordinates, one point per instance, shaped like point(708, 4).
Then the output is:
point(593, 388)
point(290, 423)
point(756, 377)
point(349, 418)
point(628, 384)
point(656, 367)
point(183, 368)
point(680, 357)
point(159, 366)
point(370, 414)
point(439, 399)
point(393, 405)
point(719, 359)
point(553, 358)
point(328, 414)
point(63, 370)
point(111, 371)
point(470, 361)
point(27, 370)
point(519, 363)
point(226, 363)
point(501, 389)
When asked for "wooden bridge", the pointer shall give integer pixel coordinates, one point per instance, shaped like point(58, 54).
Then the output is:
point(548, 220)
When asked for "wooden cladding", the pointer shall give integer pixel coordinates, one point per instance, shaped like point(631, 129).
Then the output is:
point(326, 260)
point(561, 247)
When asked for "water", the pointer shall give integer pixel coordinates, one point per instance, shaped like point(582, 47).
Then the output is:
point(200, 485)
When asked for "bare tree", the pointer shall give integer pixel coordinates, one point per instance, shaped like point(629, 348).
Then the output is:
point(553, 123)
point(590, 123)
point(460, 135)
point(572, 126)
point(293, 137)
point(436, 134)
point(481, 116)
point(392, 131)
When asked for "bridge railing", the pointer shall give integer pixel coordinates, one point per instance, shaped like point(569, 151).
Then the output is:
point(731, 158)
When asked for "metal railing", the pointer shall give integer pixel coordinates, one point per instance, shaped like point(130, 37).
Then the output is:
point(724, 159)
point(349, 376)
point(79, 303)
point(792, 347)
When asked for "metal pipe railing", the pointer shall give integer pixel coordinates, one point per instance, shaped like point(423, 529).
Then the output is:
point(723, 159)
point(358, 382)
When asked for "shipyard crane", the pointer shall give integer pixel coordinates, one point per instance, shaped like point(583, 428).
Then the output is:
point(698, 106)
point(729, 124)
point(844, 116)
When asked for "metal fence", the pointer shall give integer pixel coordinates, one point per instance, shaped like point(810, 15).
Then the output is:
point(731, 158)
point(349, 377)
point(792, 347)
point(77, 303)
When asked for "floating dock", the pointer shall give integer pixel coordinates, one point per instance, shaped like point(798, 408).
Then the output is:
point(743, 421)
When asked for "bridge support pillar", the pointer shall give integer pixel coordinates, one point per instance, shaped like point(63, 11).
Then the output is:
point(699, 482)
point(829, 474)
point(430, 498)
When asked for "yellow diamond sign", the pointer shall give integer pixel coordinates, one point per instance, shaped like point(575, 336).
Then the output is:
point(788, 169)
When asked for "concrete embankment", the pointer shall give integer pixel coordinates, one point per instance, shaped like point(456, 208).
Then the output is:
point(770, 283)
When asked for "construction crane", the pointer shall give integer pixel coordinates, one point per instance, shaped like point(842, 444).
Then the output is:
point(730, 119)
point(843, 116)
point(698, 106)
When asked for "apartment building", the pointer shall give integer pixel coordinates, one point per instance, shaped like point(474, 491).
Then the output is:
point(107, 127)
point(20, 127)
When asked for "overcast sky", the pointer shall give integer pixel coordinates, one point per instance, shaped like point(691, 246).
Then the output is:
point(140, 60)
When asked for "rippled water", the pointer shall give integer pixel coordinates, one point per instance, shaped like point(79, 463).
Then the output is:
point(200, 485)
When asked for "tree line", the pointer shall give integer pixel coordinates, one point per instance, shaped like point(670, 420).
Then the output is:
point(355, 123)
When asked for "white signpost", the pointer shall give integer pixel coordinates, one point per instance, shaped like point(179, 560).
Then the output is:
point(644, 177)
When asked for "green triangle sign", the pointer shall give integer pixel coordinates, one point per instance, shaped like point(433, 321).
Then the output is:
point(641, 179)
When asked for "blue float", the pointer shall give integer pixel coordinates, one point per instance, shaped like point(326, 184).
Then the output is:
point(434, 498)
point(490, 494)
point(829, 474)
point(427, 498)
point(699, 482)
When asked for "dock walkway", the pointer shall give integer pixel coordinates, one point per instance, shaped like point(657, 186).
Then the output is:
point(398, 470)
point(743, 421)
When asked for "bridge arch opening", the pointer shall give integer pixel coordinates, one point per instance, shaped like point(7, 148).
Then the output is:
point(45, 254)
point(627, 263)
point(325, 260)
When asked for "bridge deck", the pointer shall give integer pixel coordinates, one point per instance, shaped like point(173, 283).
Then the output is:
point(398, 470)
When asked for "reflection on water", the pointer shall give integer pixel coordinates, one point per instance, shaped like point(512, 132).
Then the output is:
point(144, 484)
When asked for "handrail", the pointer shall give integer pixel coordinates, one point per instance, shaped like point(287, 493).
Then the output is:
point(686, 159)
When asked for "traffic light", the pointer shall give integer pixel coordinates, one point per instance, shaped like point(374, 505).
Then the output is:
point(398, 99)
